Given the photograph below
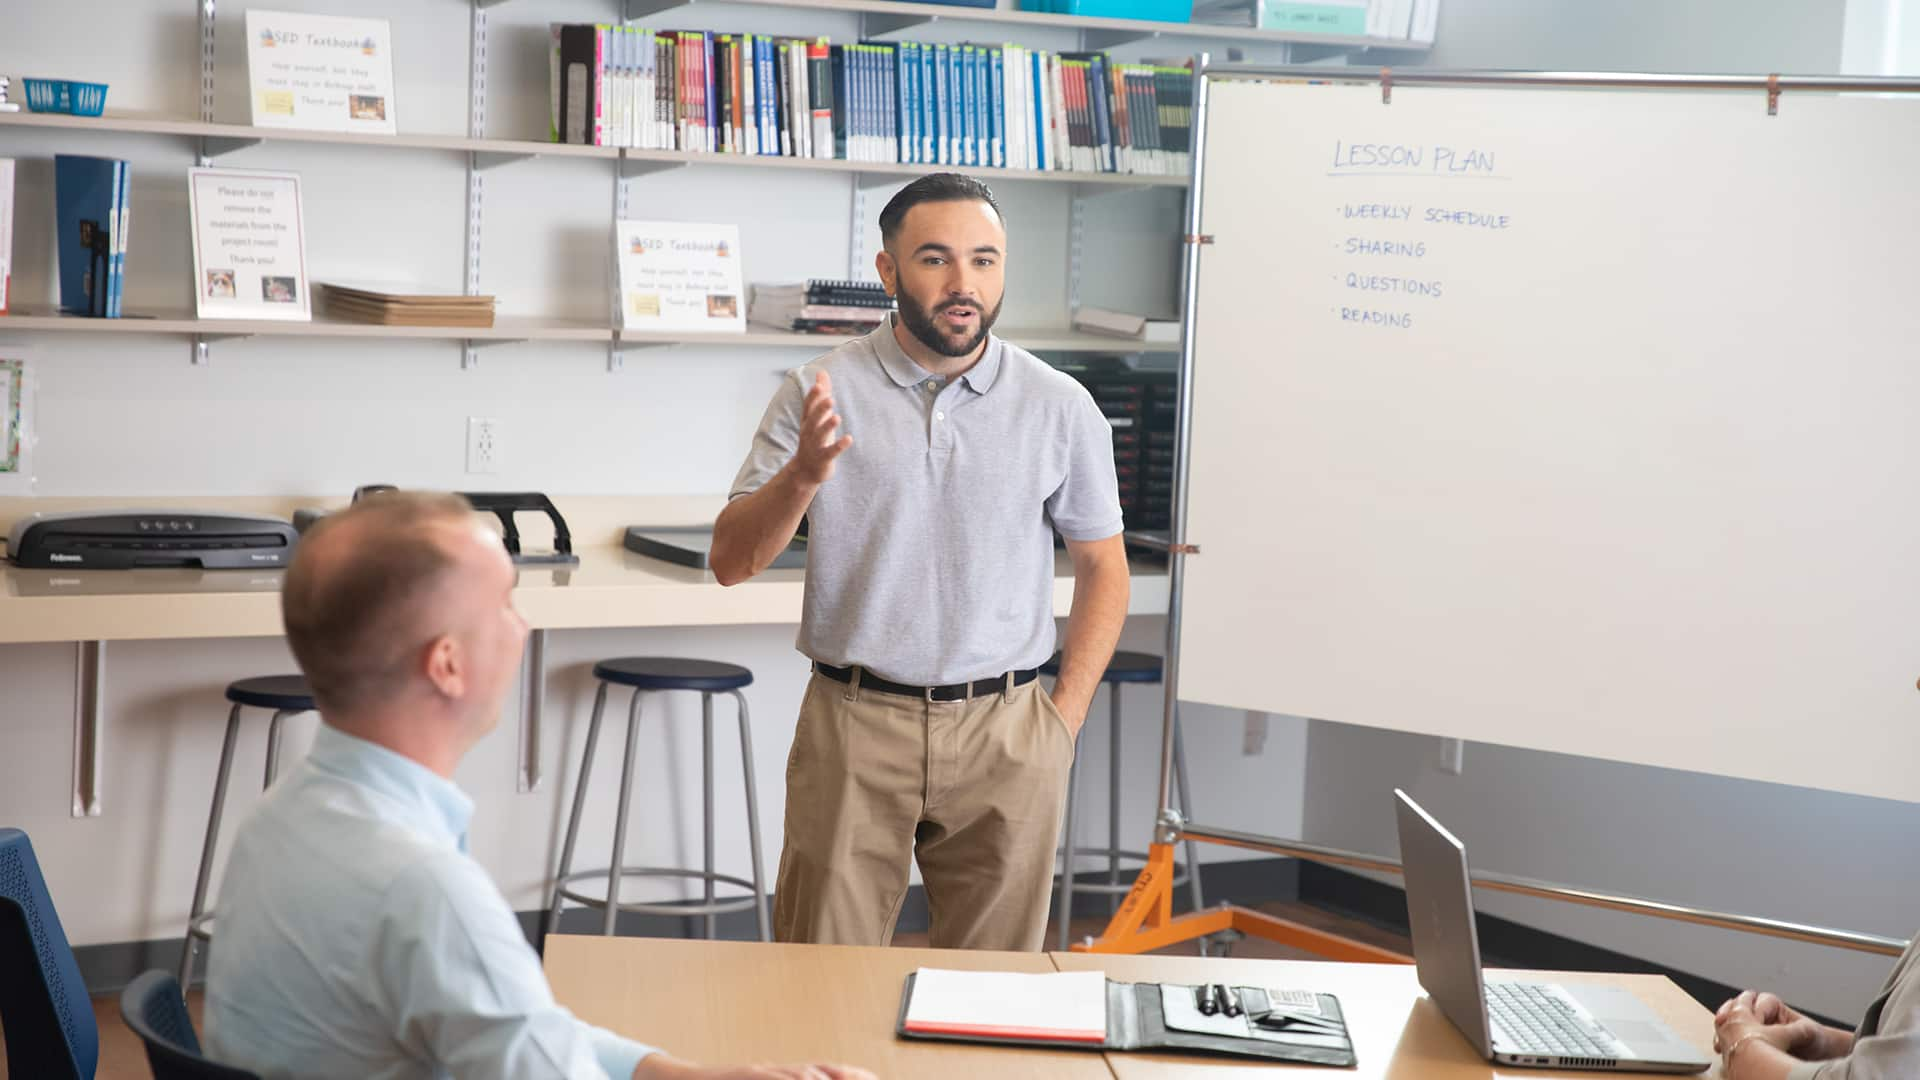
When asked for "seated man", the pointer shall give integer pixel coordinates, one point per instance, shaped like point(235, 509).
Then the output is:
point(1763, 1038)
point(356, 937)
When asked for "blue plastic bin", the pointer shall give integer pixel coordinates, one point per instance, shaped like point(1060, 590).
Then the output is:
point(1178, 11)
point(66, 96)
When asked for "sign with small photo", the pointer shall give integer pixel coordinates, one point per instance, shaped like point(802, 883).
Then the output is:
point(320, 72)
point(249, 245)
point(675, 276)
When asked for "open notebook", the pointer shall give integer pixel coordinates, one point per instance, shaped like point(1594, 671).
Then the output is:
point(1086, 1010)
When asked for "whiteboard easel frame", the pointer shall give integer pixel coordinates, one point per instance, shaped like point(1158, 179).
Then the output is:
point(1144, 919)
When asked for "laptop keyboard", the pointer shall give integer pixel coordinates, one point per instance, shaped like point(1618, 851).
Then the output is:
point(1536, 1020)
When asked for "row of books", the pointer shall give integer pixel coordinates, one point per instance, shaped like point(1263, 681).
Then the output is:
point(985, 106)
point(90, 231)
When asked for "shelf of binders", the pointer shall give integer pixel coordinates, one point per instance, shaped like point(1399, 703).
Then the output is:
point(225, 138)
point(510, 328)
point(891, 16)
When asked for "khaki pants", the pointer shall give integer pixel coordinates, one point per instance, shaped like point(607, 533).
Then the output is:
point(971, 789)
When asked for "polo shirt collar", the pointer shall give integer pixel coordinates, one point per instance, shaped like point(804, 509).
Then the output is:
point(904, 372)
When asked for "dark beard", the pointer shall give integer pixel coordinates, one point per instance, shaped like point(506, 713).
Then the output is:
point(919, 323)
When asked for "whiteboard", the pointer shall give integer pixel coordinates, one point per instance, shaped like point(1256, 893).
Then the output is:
point(1616, 452)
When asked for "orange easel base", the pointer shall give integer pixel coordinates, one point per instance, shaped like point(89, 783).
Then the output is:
point(1146, 922)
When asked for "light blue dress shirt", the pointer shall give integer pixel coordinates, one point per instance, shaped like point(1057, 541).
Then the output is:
point(356, 938)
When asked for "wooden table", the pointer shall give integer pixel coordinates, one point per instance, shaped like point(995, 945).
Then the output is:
point(836, 1003)
point(748, 1003)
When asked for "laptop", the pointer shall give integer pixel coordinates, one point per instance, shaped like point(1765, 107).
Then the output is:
point(1550, 1025)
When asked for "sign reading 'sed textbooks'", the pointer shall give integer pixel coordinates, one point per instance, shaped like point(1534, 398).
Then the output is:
point(675, 276)
point(320, 72)
point(249, 245)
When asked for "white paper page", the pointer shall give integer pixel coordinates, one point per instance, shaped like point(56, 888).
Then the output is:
point(1067, 1006)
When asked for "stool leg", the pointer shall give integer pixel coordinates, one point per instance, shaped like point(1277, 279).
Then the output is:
point(579, 804)
point(273, 747)
point(1113, 795)
point(1186, 808)
point(753, 820)
point(706, 793)
point(206, 848)
point(1069, 855)
point(620, 820)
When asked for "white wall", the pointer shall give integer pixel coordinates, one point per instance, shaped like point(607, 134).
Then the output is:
point(130, 416)
point(1760, 849)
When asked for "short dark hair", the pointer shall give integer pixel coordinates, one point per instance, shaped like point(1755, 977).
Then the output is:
point(347, 622)
point(933, 187)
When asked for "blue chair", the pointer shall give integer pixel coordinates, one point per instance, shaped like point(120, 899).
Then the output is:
point(44, 1007)
point(1142, 669)
point(152, 1007)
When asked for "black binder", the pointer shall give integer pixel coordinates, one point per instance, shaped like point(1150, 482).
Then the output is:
point(1302, 1028)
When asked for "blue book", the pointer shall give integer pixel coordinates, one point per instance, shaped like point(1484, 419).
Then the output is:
point(998, 114)
point(890, 82)
point(1037, 77)
point(117, 238)
point(863, 98)
point(975, 111)
point(983, 105)
point(84, 196)
point(942, 106)
point(957, 76)
point(768, 98)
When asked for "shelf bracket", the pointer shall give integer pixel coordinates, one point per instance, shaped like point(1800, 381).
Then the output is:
point(493, 159)
point(632, 168)
point(874, 24)
point(634, 10)
point(1076, 237)
point(214, 146)
point(89, 702)
point(1097, 39)
point(470, 349)
point(857, 232)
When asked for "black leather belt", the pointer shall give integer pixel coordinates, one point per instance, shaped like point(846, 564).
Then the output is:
point(950, 692)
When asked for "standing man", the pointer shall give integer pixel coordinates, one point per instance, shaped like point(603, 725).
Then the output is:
point(933, 463)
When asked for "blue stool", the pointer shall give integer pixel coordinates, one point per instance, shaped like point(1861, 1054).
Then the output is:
point(285, 695)
point(1125, 667)
point(49, 1024)
point(655, 674)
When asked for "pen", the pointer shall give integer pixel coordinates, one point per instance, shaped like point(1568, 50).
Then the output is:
point(1203, 999)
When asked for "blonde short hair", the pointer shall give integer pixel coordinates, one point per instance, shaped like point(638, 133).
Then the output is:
point(348, 617)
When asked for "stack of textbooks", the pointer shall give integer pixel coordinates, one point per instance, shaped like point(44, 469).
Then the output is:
point(402, 305)
point(981, 106)
point(820, 307)
point(90, 233)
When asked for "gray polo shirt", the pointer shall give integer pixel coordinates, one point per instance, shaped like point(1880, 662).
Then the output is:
point(930, 552)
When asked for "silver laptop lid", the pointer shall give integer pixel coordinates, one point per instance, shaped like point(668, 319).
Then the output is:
point(1446, 943)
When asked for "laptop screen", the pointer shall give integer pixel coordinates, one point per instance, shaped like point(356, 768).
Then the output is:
point(1446, 944)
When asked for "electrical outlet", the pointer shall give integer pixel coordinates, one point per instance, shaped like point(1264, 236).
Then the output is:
point(483, 445)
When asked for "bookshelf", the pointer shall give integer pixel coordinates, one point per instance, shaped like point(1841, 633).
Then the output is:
point(510, 329)
point(226, 138)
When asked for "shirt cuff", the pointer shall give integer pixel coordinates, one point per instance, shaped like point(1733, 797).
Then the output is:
point(619, 1056)
point(1097, 532)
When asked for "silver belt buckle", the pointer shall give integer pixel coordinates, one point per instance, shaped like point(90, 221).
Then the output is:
point(929, 695)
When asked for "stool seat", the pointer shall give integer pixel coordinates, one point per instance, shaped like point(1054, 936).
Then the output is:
point(272, 692)
point(1125, 667)
point(672, 673)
